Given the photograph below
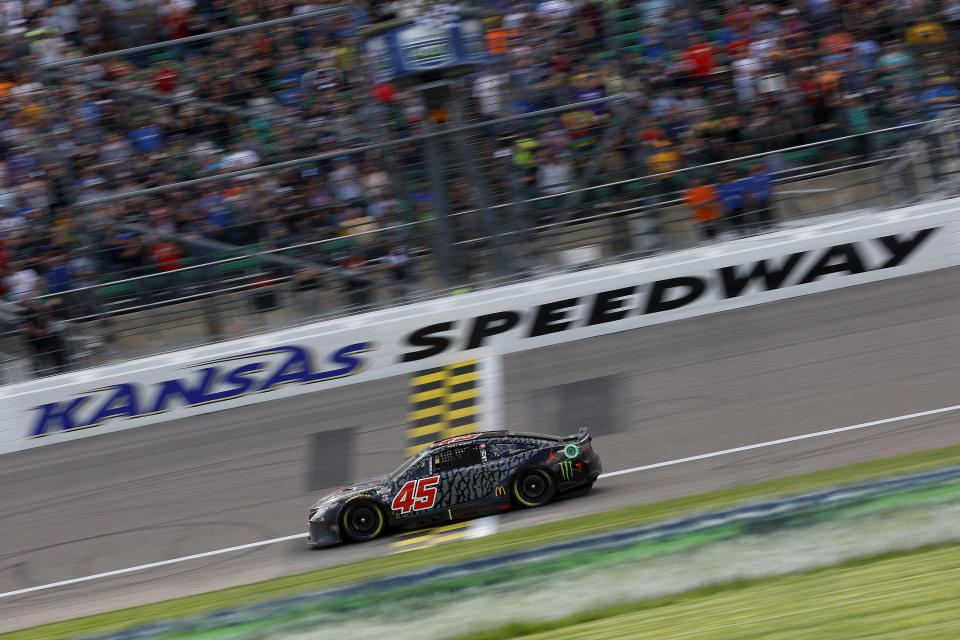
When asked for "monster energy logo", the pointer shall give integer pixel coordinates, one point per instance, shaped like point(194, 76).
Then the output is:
point(566, 469)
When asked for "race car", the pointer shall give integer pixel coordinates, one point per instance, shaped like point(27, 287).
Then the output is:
point(458, 478)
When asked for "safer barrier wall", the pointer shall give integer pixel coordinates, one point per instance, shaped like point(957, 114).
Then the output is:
point(524, 316)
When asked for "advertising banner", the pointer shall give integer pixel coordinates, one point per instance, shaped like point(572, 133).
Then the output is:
point(402, 340)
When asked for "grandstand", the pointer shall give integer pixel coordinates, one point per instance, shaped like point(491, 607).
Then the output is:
point(184, 171)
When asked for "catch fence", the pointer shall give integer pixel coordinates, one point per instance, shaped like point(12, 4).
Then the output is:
point(261, 212)
point(232, 291)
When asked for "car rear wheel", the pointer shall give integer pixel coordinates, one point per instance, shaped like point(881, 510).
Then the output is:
point(533, 488)
point(362, 520)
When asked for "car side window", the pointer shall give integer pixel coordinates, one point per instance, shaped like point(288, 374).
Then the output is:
point(497, 450)
point(455, 457)
point(418, 469)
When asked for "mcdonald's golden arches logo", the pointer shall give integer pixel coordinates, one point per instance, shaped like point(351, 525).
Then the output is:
point(501, 491)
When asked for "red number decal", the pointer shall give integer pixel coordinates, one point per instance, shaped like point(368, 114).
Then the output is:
point(416, 495)
point(426, 493)
point(404, 500)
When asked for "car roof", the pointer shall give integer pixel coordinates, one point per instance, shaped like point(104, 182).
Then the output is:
point(487, 435)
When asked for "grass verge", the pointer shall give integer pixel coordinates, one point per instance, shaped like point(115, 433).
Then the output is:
point(498, 543)
point(893, 596)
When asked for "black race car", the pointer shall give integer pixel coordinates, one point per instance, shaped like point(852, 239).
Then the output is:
point(457, 478)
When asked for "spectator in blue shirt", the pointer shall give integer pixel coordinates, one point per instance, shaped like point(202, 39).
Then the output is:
point(731, 191)
point(59, 276)
point(147, 139)
point(867, 51)
point(90, 111)
point(939, 95)
point(759, 191)
point(212, 205)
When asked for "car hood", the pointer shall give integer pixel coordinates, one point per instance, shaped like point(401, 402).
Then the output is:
point(352, 489)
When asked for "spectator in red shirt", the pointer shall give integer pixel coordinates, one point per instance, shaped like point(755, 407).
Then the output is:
point(739, 18)
point(166, 255)
point(165, 80)
point(738, 47)
point(652, 132)
point(384, 92)
point(175, 23)
point(700, 58)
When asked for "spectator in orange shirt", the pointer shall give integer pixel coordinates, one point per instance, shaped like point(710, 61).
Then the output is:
point(5, 84)
point(837, 42)
point(704, 203)
point(830, 77)
point(497, 37)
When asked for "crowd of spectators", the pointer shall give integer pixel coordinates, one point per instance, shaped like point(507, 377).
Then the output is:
point(708, 81)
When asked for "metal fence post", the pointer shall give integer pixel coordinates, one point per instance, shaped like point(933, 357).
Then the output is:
point(532, 253)
point(448, 262)
point(502, 262)
point(211, 305)
point(595, 159)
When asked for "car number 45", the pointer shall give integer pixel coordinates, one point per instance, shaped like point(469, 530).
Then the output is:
point(416, 495)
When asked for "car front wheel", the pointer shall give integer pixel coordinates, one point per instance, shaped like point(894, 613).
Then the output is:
point(362, 521)
point(533, 488)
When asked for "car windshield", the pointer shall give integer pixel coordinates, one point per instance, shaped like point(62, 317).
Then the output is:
point(406, 466)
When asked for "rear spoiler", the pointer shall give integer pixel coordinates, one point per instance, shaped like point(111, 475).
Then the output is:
point(582, 436)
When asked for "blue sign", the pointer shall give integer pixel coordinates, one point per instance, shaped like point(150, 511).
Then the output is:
point(214, 381)
point(419, 48)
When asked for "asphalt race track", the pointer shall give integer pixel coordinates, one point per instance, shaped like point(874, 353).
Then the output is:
point(661, 393)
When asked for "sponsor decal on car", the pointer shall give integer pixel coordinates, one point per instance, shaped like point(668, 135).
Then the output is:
point(469, 436)
point(566, 469)
point(209, 382)
point(416, 495)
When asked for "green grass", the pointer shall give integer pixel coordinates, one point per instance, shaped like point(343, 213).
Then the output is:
point(895, 596)
point(499, 543)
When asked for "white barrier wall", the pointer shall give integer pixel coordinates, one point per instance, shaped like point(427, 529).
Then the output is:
point(523, 316)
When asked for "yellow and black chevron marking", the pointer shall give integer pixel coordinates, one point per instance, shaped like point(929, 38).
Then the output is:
point(423, 538)
point(444, 402)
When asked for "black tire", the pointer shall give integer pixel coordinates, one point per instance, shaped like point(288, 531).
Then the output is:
point(533, 488)
point(362, 520)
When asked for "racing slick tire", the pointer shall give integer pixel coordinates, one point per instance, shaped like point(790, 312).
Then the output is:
point(362, 520)
point(533, 488)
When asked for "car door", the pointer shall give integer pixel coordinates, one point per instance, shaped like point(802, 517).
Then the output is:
point(413, 493)
point(466, 474)
point(503, 458)
point(462, 474)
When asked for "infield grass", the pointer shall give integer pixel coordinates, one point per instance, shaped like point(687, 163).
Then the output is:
point(499, 543)
point(892, 597)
